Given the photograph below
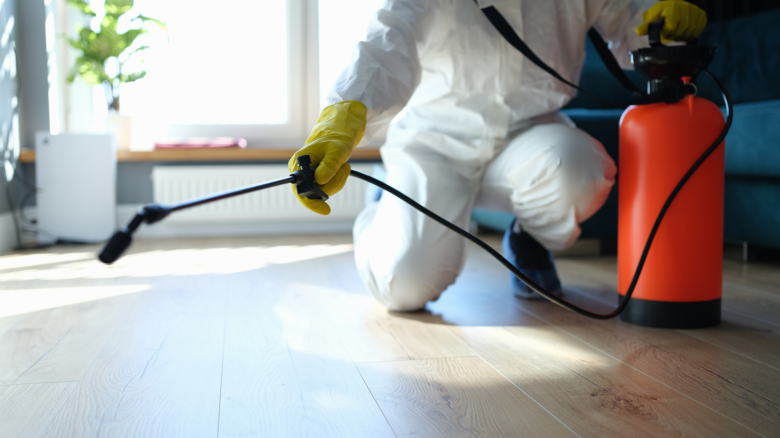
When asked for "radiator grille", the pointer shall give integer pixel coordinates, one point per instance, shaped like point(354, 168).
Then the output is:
point(173, 184)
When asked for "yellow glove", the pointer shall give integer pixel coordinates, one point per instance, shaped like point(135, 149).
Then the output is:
point(330, 144)
point(682, 20)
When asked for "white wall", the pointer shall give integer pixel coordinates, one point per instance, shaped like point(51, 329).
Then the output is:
point(33, 68)
point(31, 85)
point(10, 72)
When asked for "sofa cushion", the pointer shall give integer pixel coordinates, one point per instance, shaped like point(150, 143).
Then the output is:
point(747, 60)
point(753, 143)
point(751, 211)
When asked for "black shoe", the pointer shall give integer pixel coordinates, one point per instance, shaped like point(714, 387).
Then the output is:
point(534, 261)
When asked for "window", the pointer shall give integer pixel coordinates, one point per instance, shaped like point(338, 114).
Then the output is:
point(242, 68)
point(225, 63)
point(226, 70)
point(342, 24)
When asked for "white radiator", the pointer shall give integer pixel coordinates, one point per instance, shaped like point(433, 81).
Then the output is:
point(173, 184)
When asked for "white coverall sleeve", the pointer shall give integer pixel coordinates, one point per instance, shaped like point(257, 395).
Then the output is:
point(617, 22)
point(385, 68)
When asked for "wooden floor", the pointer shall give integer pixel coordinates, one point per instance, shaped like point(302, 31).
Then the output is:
point(277, 337)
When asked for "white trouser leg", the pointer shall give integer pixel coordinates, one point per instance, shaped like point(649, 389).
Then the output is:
point(405, 258)
point(552, 177)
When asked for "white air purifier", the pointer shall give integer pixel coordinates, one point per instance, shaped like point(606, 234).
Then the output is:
point(76, 179)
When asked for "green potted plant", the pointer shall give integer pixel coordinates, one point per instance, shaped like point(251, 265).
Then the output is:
point(106, 58)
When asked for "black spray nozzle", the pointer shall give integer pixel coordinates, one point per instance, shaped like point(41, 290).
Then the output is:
point(304, 180)
point(122, 239)
point(115, 246)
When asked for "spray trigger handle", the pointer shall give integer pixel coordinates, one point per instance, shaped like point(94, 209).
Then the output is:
point(306, 186)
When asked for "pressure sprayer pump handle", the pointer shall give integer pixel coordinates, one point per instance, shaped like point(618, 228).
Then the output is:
point(654, 33)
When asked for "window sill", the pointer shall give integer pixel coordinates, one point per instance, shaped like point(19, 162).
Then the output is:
point(224, 154)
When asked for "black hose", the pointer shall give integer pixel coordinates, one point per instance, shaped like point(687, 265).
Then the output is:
point(542, 291)
point(121, 240)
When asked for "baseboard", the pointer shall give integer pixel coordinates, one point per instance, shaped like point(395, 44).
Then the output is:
point(7, 232)
point(316, 225)
point(161, 230)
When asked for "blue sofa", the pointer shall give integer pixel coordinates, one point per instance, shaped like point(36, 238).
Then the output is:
point(748, 63)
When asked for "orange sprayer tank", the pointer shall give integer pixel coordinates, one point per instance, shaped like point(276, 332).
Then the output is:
point(680, 285)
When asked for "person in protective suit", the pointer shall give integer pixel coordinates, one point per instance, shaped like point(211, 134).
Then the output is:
point(476, 124)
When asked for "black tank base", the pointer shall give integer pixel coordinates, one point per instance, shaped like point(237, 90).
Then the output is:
point(673, 315)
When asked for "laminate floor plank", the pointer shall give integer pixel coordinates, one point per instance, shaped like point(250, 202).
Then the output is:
point(58, 344)
point(762, 275)
point(738, 332)
point(7, 322)
point(741, 389)
point(419, 340)
point(372, 334)
point(741, 331)
point(746, 336)
point(358, 321)
point(759, 275)
point(455, 397)
point(286, 371)
point(277, 336)
point(730, 384)
point(600, 276)
point(25, 410)
point(750, 318)
point(761, 305)
point(159, 373)
point(594, 394)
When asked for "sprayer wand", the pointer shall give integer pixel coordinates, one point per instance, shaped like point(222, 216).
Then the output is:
point(149, 214)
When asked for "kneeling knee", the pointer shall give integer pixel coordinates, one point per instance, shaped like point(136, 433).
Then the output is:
point(407, 294)
point(410, 290)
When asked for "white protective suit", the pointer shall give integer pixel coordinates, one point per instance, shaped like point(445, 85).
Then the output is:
point(480, 127)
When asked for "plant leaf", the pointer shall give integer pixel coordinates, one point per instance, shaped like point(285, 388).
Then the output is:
point(132, 77)
point(116, 8)
point(99, 49)
point(129, 37)
point(76, 44)
point(72, 73)
point(145, 19)
point(136, 50)
point(91, 72)
point(83, 6)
